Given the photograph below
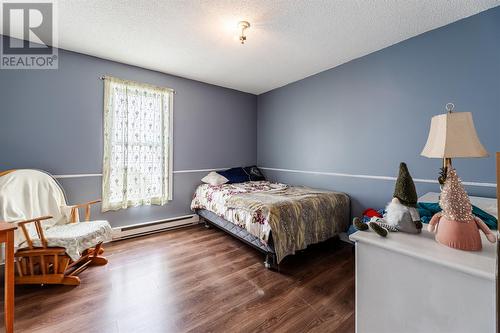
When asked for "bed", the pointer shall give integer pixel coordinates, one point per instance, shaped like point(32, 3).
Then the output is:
point(275, 218)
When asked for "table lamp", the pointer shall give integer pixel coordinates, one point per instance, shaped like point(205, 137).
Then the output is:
point(452, 135)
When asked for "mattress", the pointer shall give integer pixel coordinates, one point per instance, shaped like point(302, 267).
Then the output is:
point(297, 216)
point(215, 199)
point(235, 230)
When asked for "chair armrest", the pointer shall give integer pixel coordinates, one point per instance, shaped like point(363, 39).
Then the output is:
point(41, 218)
point(86, 205)
point(39, 230)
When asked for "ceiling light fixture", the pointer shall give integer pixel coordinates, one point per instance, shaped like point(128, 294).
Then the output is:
point(242, 25)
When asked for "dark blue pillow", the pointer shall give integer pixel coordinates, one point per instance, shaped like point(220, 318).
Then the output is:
point(235, 175)
point(254, 173)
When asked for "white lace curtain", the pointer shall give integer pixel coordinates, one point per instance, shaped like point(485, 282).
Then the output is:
point(137, 160)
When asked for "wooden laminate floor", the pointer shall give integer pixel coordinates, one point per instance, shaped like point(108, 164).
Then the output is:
point(197, 280)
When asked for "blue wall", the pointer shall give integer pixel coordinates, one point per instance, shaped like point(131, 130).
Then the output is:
point(52, 120)
point(366, 116)
point(363, 117)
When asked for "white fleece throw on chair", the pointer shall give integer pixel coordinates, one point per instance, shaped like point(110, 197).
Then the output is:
point(27, 194)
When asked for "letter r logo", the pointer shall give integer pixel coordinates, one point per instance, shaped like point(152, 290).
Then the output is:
point(31, 24)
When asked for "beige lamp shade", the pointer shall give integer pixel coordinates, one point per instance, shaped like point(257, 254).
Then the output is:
point(453, 135)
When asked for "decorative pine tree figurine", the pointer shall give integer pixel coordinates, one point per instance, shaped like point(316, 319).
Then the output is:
point(458, 227)
point(454, 200)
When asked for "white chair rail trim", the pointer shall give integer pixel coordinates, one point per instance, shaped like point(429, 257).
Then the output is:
point(323, 173)
point(83, 175)
point(337, 174)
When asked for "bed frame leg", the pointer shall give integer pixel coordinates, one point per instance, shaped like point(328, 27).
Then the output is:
point(271, 262)
point(207, 225)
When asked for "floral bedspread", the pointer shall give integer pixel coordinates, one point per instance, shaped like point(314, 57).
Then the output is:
point(298, 216)
point(214, 199)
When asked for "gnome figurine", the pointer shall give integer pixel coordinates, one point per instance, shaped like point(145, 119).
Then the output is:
point(401, 212)
point(455, 226)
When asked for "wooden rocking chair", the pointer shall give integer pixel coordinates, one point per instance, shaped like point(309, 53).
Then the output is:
point(41, 261)
point(52, 265)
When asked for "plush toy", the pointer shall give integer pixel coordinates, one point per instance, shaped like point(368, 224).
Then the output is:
point(401, 212)
point(455, 226)
point(375, 225)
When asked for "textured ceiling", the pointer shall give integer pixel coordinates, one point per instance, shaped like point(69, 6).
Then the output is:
point(288, 40)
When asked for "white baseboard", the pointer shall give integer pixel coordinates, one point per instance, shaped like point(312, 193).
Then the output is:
point(146, 228)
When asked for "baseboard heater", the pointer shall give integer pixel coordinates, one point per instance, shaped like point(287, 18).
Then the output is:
point(142, 229)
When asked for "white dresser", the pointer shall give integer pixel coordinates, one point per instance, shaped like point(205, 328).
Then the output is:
point(410, 283)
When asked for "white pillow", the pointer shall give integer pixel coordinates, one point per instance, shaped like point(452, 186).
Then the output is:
point(213, 178)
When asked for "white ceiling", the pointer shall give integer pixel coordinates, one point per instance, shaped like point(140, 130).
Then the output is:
point(287, 41)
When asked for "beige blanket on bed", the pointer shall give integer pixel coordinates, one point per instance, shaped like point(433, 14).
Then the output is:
point(298, 216)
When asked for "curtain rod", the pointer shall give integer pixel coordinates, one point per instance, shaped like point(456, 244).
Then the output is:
point(173, 90)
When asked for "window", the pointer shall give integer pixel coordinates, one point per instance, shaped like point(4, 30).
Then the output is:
point(137, 160)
